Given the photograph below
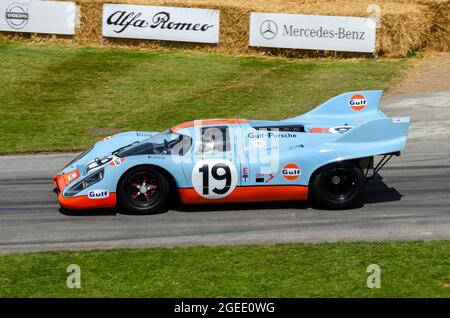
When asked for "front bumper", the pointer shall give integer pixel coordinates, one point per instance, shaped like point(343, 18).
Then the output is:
point(82, 202)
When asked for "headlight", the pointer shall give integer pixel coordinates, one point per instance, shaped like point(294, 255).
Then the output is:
point(85, 183)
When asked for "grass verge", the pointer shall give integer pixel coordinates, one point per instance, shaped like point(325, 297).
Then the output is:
point(56, 98)
point(408, 269)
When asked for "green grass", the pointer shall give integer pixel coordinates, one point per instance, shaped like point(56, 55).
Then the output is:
point(51, 97)
point(408, 269)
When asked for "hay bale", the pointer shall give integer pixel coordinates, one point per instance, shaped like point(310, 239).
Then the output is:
point(405, 25)
point(439, 37)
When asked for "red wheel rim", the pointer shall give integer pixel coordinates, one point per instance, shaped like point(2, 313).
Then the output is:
point(143, 188)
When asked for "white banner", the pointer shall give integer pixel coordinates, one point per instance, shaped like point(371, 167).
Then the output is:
point(312, 32)
point(37, 16)
point(161, 23)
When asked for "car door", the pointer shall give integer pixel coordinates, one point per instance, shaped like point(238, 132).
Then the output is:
point(262, 157)
point(213, 167)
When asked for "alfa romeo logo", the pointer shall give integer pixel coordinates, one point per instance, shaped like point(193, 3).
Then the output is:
point(17, 15)
point(268, 29)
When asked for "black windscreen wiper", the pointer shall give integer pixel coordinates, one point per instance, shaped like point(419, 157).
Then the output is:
point(117, 150)
point(145, 148)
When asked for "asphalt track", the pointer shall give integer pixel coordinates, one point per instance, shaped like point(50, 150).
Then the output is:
point(410, 202)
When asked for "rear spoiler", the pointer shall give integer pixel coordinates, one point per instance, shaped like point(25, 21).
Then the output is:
point(378, 130)
point(375, 137)
point(350, 106)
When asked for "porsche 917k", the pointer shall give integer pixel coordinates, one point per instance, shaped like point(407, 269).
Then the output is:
point(325, 154)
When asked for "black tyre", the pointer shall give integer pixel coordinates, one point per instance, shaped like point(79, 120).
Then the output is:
point(143, 190)
point(339, 185)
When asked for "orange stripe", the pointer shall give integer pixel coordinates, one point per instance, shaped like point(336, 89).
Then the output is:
point(83, 202)
point(319, 130)
point(62, 180)
point(249, 194)
point(209, 122)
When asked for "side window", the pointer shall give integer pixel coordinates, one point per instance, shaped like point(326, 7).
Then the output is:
point(181, 146)
point(215, 139)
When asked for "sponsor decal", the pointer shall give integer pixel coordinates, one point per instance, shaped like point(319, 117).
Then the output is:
point(107, 138)
point(271, 134)
point(398, 120)
point(116, 161)
point(314, 32)
point(71, 175)
point(245, 174)
point(156, 157)
point(258, 143)
point(161, 20)
point(268, 29)
point(340, 130)
point(34, 16)
point(296, 146)
point(261, 177)
point(333, 130)
point(214, 178)
point(17, 15)
point(291, 171)
point(98, 194)
point(161, 23)
point(358, 102)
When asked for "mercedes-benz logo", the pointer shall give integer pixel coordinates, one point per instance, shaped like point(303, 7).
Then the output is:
point(268, 29)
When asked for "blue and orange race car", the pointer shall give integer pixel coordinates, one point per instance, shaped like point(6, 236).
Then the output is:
point(326, 153)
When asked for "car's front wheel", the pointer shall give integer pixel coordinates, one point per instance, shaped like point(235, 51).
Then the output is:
point(143, 190)
point(338, 185)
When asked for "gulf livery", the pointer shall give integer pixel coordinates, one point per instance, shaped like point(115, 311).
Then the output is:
point(291, 171)
point(357, 102)
point(326, 154)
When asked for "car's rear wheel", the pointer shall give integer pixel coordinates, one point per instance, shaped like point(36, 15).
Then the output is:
point(338, 185)
point(143, 190)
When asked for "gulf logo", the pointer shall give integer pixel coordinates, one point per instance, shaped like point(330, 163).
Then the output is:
point(291, 171)
point(358, 102)
point(98, 194)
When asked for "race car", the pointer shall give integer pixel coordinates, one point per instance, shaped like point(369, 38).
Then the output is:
point(326, 154)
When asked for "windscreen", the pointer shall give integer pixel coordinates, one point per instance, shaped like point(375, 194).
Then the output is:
point(165, 143)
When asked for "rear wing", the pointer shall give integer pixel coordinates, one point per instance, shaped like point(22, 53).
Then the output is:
point(350, 106)
point(378, 136)
point(376, 130)
point(354, 127)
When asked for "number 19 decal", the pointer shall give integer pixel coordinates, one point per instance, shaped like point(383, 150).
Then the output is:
point(214, 178)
